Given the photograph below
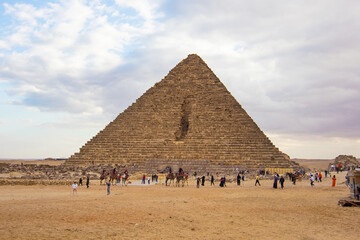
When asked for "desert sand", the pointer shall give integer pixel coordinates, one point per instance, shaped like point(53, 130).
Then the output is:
point(159, 212)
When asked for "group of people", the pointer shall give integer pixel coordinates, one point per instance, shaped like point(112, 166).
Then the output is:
point(279, 179)
point(75, 184)
point(317, 177)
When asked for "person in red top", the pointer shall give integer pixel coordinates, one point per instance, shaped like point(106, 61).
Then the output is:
point(320, 176)
point(143, 179)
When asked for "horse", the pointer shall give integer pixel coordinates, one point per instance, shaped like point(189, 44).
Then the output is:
point(125, 178)
point(171, 177)
point(293, 177)
point(103, 176)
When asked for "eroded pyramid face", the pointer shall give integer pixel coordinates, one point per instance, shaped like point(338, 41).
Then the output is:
point(189, 116)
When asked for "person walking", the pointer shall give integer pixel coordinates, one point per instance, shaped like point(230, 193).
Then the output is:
point(320, 177)
point(87, 181)
point(275, 181)
point(222, 181)
point(333, 181)
point(282, 180)
point(143, 179)
point(257, 181)
point(108, 187)
point(80, 181)
point(312, 181)
point(203, 180)
point(238, 179)
point(148, 180)
point(212, 180)
point(74, 187)
point(198, 182)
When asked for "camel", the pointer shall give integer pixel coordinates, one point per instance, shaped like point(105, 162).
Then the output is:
point(183, 178)
point(113, 177)
point(171, 177)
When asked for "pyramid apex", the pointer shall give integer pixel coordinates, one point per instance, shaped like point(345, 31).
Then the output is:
point(194, 56)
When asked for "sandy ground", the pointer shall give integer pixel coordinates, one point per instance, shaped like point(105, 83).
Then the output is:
point(160, 212)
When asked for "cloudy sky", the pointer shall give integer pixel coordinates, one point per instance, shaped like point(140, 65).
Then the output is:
point(68, 67)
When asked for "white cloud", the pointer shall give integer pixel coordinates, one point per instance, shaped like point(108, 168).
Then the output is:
point(67, 43)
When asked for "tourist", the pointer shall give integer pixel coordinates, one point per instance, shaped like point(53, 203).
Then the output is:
point(316, 177)
point(257, 181)
point(238, 179)
point(243, 178)
point(148, 180)
point(333, 181)
point(320, 177)
point(108, 187)
point(282, 180)
point(275, 180)
point(198, 182)
point(222, 182)
point(118, 177)
point(347, 182)
point(203, 180)
point(74, 187)
point(124, 179)
point(80, 182)
point(143, 179)
point(326, 172)
point(87, 181)
point(212, 180)
point(312, 181)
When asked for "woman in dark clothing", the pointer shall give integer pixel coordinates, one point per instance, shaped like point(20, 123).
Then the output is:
point(275, 181)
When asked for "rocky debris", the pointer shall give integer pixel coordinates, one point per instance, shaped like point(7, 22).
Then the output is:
point(347, 162)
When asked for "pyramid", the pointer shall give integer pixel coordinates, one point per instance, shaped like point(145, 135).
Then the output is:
point(188, 119)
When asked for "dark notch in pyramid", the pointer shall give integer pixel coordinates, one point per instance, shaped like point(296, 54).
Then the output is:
point(188, 119)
